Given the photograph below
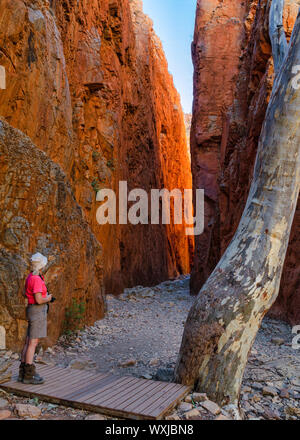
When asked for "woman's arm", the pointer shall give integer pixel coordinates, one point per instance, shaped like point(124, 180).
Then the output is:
point(40, 300)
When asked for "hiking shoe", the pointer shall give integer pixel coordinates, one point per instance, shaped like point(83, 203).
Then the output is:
point(30, 375)
point(21, 372)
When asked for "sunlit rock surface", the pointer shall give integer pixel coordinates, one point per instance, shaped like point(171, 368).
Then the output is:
point(88, 82)
point(39, 212)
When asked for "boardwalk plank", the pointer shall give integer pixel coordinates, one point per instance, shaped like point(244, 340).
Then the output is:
point(109, 389)
point(145, 393)
point(90, 391)
point(120, 393)
point(120, 396)
point(74, 384)
point(56, 381)
point(160, 390)
point(89, 387)
point(164, 402)
point(51, 385)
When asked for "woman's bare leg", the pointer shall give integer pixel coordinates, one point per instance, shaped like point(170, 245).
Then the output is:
point(31, 350)
point(23, 355)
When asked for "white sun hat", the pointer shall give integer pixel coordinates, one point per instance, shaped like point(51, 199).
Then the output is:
point(39, 261)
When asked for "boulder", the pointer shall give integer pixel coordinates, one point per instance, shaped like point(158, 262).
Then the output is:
point(212, 407)
point(30, 411)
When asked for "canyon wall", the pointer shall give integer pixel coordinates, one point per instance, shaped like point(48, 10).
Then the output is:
point(39, 212)
point(232, 83)
point(88, 83)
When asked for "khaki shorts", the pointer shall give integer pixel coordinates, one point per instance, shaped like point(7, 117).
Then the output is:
point(37, 321)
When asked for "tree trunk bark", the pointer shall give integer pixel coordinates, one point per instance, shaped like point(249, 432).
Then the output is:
point(277, 34)
point(227, 313)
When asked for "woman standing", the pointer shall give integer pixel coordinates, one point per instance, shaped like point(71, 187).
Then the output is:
point(36, 313)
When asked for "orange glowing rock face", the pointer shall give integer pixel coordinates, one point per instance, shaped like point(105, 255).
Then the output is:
point(38, 211)
point(233, 82)
point(91, 88)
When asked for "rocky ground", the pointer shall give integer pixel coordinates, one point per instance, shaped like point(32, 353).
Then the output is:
point(141, 336)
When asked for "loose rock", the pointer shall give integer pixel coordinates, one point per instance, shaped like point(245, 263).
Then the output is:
point(284, 393)
point(211, 407)
point(277, 341)
point(199, 397)
point(173, 416)
point(192, 413)
point(95, 417)
point(184, 407)
point(128, 363)
point(269, 391)
point(5, 414)
point(164, 374)
point(222, 417)
point(292, 411)
point(28, 411)
point(3, 403)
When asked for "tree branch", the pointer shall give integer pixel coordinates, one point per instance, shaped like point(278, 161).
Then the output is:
point(277, 34)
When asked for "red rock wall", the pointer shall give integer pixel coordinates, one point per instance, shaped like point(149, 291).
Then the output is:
point(88, 83)
point(233, 82)
point(39, 212)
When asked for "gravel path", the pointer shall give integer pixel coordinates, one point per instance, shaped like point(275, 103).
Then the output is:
point(141, 336)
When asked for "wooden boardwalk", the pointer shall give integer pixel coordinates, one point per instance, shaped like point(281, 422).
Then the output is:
point(121, 396)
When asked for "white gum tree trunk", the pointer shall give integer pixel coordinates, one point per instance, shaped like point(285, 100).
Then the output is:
point(227, 313)
point(277, 34)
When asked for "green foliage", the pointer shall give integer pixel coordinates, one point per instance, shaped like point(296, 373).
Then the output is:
point(34, 401)
point(110, 164)
point(95, 185)
point(74, 316)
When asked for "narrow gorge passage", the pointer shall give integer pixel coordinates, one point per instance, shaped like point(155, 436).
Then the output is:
point(91, 100)
point(90, 87)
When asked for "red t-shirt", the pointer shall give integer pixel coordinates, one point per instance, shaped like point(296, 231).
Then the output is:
point(34, 284)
